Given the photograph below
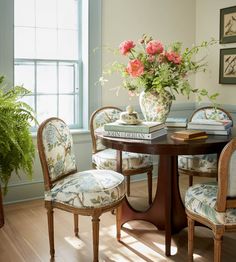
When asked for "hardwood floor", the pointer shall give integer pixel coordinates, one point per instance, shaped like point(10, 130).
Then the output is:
point(24, 236)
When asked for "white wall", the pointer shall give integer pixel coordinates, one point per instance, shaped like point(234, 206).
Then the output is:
point(207, 25)
point(166, 20)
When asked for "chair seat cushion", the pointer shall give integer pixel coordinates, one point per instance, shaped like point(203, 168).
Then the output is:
point(87, 189)
point(201, 199)
point(106, 159)
point(199, 163)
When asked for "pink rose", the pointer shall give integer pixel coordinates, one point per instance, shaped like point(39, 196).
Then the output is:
point(154, 47)
point(135, 68)
point(126, 46)
point(173, 57)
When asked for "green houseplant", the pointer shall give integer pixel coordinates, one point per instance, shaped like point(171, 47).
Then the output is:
point(16, 145)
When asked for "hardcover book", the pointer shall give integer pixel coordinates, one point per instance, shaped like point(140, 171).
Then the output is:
point(176, 122)
point(188, 139)
point(205, 124)
point(219, 132)
point(144, 127)
point(136, 135)
point(189, 134)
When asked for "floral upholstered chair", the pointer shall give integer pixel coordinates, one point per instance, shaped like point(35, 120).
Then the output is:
point(105, 158)
point(88, 193)
point(202, 165)
point(214, 204)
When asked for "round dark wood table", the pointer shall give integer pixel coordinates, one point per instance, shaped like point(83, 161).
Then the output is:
point(167, 210)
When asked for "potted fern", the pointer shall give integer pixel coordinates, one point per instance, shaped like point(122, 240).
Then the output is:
point(16, 145)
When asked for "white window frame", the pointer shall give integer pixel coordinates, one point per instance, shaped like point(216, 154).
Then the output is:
point(92, 60)
point(90, 96)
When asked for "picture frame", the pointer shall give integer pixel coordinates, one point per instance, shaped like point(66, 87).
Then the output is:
point(227, 74)
point(228, 25)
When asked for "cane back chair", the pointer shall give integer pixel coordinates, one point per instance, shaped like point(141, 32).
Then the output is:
point(88, 193)
point(105, 158)
point(202, 165)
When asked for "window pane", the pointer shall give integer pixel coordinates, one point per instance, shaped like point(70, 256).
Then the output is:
point(29, 100)
point(24, 42)
point(24, 75)
point(66, 78)
point(24, 13)
point(67, 14)
point(46, 78)
point(46, 43)
point(46, 107)
point(68, 39)
point(46, 13)
point(66, 108)
point(46, 56)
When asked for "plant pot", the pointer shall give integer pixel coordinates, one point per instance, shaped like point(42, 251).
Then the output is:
point(155, 106)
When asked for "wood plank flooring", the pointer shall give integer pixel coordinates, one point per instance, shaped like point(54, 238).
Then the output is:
point(24, 236)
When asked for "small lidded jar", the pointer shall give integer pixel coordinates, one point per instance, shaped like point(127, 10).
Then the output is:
point(129, 116)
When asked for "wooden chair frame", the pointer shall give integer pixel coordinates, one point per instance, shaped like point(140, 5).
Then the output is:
point(95, 213)
point(193, 173)
point(222, 203)
point(129, 172)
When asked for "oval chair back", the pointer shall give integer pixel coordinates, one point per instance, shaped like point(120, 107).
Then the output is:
point(214, 204)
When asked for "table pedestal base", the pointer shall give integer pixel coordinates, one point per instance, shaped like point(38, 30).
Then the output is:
point(167, 210)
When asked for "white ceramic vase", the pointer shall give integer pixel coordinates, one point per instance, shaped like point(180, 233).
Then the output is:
point(155, 106)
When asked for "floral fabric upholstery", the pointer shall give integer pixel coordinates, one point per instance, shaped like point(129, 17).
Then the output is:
point(198, 163)
point(210, 113)
point(208, 162)
point(103, 117)
point(106, 159)
point(57, 142)
point(201, 199)
point(87, 189)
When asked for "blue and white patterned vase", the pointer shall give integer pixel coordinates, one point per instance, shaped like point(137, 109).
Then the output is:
point(155, 106)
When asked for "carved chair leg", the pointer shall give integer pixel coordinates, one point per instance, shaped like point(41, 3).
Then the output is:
point(51, 230)
point(217, 247)
point(76, 224)
point(149, 177)
point(190, 180)
point(128, 185)
point(118, 222)
point(191, 224)
point(95, 222)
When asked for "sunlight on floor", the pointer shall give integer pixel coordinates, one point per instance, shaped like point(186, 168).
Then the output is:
point(75, 242)
point(195, 256)
point(173, 250)
point(140, 248)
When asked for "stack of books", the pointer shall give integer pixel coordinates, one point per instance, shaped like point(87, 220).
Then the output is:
point(186, 135)
point(212, 127)
point(176, 122)
point(144, 130)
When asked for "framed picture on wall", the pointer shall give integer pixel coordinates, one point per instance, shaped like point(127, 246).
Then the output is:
point(228, 25)
point(227, 66)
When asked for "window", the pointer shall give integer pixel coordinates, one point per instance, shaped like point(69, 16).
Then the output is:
point(47, 56)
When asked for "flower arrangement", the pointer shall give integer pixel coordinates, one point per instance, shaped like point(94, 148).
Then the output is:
point(153, 67)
